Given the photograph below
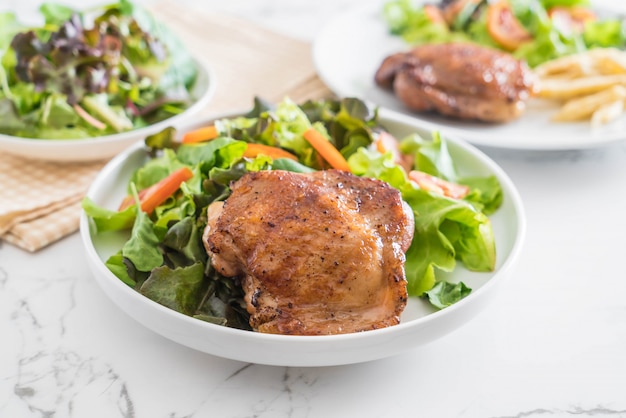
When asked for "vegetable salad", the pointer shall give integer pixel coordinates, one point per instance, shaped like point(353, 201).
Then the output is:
point(164, 258)
point(533, 30)
point(90, 73)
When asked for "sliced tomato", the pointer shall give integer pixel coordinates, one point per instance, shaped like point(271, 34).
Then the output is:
point(453, 10)
point(439, 185)
point(385, 142)
point(434, 13)
point(504, 28)
point(571, 18)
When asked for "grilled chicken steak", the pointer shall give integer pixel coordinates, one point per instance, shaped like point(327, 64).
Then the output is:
point(460, 80)
point(318, 253)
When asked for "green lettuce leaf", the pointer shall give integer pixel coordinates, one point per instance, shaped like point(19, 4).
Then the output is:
point(116, 264)
point(368, 163)
point(155, 170)
point(431, 156)
point(485, 193)
point(290, 165)
point(221, 152)
point(9, 26)
point(605, 34)
point(142, 248)
point(413, 25)
point(178, 289)
point(183, 243)
point(287, 128)
point(108, 220)
point(55, 14)
point(444, 294)
point(445, 230)
point(567, 3)
point(549, 43)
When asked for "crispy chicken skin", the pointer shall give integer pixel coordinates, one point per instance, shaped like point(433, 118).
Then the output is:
point(318, 253)
point(460, 80)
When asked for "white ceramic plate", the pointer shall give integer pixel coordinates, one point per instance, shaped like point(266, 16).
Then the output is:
point(419, 323)
point(105, 147)
point(350, 48)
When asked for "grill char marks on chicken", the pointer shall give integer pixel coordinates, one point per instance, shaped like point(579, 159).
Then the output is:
point(459, 80)
point(317, 253)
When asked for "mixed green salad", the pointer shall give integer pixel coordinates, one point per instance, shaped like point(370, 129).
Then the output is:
point(90, 73)
point(164, 258)
point(533, 30)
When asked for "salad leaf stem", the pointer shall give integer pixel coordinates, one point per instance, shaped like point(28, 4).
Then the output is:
point(88, 118)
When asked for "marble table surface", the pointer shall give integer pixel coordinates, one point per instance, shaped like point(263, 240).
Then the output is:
point(552, 344)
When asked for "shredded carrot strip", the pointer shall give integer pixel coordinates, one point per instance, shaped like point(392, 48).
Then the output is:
point(158, 193)
point(200, 135)
point(252, 150)
point(326, 149)
point(130, 200)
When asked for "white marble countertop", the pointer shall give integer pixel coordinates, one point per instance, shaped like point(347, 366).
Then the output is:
point(553, 343)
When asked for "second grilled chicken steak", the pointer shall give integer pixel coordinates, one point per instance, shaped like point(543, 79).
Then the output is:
point(460, 80)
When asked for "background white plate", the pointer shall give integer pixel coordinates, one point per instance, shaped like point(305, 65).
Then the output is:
point(420, 324)
point(351, 47)
point(105, 147)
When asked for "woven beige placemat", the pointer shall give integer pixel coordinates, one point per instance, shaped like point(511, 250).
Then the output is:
point(247, 60)
point(40, 202)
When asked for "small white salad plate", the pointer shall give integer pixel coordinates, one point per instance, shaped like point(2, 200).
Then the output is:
point(105, 147)
point(351, 47)
point(420, 323)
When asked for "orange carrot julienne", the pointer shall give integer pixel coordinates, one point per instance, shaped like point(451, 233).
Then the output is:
point(158, 193)
point(130, 200)
point(326, 149)
point(200, 135)
point(252, 150)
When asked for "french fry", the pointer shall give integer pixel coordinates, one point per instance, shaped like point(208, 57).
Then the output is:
point(590, 85)
point(599, 61)
point(607, 113)
point(584, 107)
point(565, 89)
point(609, 60)
point(559, 67)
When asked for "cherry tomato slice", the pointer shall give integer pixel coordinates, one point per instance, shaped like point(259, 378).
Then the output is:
point(571, 18)
point(504, 27)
